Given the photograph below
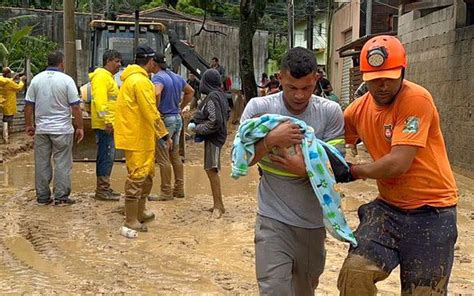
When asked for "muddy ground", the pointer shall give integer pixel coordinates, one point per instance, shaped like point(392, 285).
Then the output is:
point(78, 249)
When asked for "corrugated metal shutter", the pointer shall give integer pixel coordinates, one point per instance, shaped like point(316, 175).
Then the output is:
point(346, 66)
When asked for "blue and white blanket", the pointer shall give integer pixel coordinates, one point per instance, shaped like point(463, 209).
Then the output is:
point(317, 164)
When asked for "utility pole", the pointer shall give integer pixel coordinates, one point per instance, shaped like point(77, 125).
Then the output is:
point(91, 4)
point(291, 23)
point(310, 24)
point(136, 33)
point(69, 39)
point(368, 17)
point(107, 9)
point(53, 20)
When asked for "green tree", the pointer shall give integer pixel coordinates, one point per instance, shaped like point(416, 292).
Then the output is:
point(17, 44)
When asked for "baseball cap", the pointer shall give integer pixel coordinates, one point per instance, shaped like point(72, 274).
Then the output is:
point(144, 51)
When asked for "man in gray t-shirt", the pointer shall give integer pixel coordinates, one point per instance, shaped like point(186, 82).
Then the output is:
point(53, 98)
point(289, 233)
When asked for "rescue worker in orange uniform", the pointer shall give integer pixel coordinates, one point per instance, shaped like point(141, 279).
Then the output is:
point(412, 222)
point(138, 126)
point(104, 96)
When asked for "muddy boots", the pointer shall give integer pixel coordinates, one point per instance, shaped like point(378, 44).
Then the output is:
point(143, 215)
point(103, 190)
point(178, 170)
point(133, 194)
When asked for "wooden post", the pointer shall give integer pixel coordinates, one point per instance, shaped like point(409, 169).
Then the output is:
point(368, 18)
point(310, 24)
point(70, 66)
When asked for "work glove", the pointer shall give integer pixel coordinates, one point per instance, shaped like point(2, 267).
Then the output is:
point(342, 172)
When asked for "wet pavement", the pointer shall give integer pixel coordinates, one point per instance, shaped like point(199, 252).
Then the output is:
point(78, 249)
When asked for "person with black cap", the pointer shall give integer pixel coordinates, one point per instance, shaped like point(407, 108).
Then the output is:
point(210, 122)
point(168, 89)
point(137, 127)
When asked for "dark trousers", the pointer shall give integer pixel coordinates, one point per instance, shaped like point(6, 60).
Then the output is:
point(105, 153)
point(421, 241)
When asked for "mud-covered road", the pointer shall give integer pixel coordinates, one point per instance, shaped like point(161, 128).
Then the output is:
point(78, 249)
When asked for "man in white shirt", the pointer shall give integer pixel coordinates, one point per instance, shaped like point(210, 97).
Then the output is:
point(53, 97)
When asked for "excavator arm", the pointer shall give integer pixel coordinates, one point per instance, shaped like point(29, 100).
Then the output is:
point(184, 54)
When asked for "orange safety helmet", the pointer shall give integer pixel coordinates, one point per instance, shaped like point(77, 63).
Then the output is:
point(382, 57)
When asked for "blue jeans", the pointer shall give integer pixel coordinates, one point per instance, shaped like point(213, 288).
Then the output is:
point(173, 124)
point(105, 153)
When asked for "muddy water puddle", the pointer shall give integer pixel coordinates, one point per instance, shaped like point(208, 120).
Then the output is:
point(77, 250)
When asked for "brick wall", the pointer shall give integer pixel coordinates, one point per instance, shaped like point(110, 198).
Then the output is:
point(441, 58)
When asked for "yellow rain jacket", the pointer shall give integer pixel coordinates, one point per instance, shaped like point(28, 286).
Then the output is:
point(8, 90)
point(137, 121)
point(104, 95)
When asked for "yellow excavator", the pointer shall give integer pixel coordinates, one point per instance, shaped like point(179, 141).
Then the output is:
point(121, 36)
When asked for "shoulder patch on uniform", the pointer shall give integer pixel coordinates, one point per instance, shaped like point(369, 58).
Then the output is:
point(388, 132)
point(412, 125)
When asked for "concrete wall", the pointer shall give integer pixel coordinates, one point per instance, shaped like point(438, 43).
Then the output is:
point(226, 48)
point(344, 19)
point(441, 58)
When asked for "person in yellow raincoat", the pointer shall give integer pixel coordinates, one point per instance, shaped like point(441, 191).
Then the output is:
point(137, 127)
point(104, 96)
point(9, 86)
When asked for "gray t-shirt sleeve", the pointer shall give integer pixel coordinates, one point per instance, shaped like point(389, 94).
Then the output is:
point(335, 124)
point(251, 109)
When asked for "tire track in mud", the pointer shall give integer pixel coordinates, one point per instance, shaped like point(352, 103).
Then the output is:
point(74, 249)
point(17, 270)
point(35, 252)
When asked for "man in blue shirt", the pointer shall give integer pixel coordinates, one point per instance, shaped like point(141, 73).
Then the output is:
point(168, 88)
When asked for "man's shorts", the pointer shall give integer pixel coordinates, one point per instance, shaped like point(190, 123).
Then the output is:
point(7, 118)
point(212, 156)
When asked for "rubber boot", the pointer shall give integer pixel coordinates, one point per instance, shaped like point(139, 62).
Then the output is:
point(133, 193)
point(178, 170)
point(110, 190)
point(131, 215)
point(143, 215)
point(102, 190)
